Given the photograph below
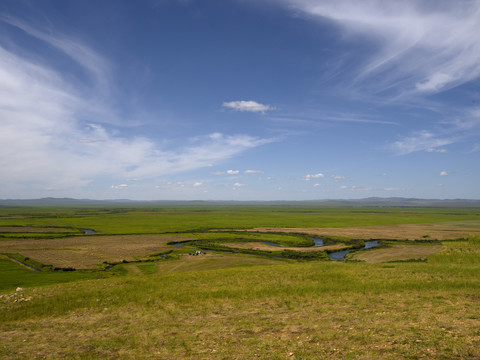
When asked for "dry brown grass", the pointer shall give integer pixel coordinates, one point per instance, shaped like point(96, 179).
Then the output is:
point(397, 252)
point(266, 247)
point(438, 231)
point(85, 252)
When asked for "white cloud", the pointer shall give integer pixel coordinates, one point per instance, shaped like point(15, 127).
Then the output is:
point(417, 51)
point(197, 184)
point(313, 176)
point(444, 173)
point(237, 185)
point(46, 144)
point(253, 172)
point(250, 106)
point(228, 172)
point(121, 186)
point(420, 141)
point(339, 177)
point(95, 66)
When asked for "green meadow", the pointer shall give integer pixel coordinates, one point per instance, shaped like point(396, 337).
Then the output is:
point(192, 218)
point(240, 305)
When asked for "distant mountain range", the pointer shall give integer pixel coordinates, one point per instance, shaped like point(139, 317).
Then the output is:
point(371, 201)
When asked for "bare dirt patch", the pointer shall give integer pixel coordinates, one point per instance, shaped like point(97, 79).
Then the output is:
point(85, 252)
point(437, 231)
point(265, 247)
point(397, 252)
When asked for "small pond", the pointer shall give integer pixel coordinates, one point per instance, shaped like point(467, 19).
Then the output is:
point(88, 231)
point(177, 244)
point(270, 243)
point(371, 244)
point(338, 255)
point(317, 242)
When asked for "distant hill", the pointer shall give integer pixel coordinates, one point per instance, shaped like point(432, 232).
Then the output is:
point(368, 202)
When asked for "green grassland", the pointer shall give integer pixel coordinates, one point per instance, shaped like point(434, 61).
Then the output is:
point(238, 306)
point(183, 219)
point(14, 275)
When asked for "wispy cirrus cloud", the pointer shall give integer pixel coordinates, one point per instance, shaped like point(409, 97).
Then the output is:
point(340, 117)
point(421, 141)
point(462, 128)
point(46, 143)
point(91, 62)
point(434, 150)
point(416, 49)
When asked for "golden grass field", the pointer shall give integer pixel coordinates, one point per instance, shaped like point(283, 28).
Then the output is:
point(266, 247)
point(434, 231)
point(85, 252)
point(397, 253)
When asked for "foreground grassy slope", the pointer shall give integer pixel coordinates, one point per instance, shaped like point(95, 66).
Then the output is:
point(246, 308)
point(294, 310)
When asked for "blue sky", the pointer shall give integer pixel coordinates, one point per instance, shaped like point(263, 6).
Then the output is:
point(239, 99)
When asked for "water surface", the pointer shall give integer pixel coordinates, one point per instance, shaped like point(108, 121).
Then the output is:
point(270, 243)
point(371, 244)
point(338, 255)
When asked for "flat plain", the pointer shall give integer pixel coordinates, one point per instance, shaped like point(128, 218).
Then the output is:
point(415, 296)
point(433, 231)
